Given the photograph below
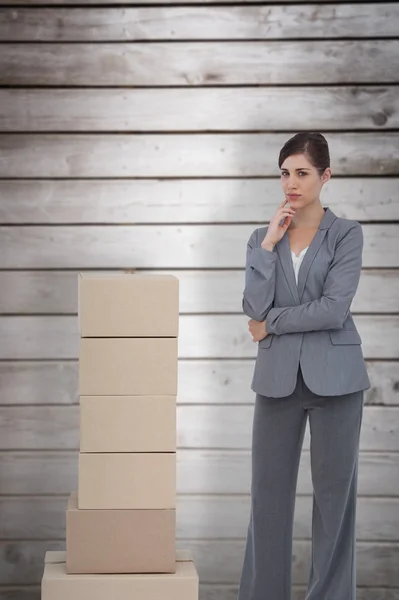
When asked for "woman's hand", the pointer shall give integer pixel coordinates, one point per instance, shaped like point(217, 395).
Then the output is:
point(275, 231)
point(257, 329)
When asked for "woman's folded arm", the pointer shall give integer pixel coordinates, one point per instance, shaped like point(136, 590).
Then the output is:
point(260, 279)
point(331, 309)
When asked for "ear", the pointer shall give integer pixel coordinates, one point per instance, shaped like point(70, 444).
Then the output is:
point(326, 175)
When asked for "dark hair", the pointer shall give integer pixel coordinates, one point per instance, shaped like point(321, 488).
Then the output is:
point(314, 145)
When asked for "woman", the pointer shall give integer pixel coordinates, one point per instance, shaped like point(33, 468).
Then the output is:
point(302, 272)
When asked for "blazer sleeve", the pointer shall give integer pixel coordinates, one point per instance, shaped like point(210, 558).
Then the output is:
point(260, 280)
point(331, 310)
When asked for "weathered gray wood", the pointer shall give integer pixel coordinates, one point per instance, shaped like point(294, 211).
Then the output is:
point(197, 517)
point(200, 63)
point(55, 292)
point(200, 336)
point(222, 561)
point(93, 3)
point(179, 155)
point(216, 382)
point(198, 472)
point(202, 200)
point(213, 592)
point(156, 246)
point(34, 593)
point(230, 592)
point(23, 562)
point(223, 109)
point(199, 427)
point(216, 561)
point(206, 23)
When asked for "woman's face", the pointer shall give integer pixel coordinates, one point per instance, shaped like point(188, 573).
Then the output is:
point(301, 181)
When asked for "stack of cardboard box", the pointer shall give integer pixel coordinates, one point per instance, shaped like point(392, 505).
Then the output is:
point(121, 524)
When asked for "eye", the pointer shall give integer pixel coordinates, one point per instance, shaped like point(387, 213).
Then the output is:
point(299, 172)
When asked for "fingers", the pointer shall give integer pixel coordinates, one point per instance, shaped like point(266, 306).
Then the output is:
point(287, 209)
point(286, 223)
point(285, 214)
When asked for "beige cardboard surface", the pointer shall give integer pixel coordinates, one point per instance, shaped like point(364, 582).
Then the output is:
point(120, 541)
point(127, 480)
point(128, 366)
point(57, 584)
point(129, 305)
point(59, 556)
point(128, 423)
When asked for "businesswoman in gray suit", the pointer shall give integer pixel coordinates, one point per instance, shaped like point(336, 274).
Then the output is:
point(302, 272)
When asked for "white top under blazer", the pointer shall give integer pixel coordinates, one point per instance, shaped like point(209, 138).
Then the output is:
point(297, 260)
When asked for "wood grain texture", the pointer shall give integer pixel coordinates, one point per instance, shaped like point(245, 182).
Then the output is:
point(298, 592)
point(157, 246)
point(99, 3)
point(216, 291)
point(202, 91)
point(140, 201)
point(212, 592)
point(178, 155)
point(200, 336)
point(197, 517)
point(216, 382)
point(200, 63)
point(198, 427)
point(222, 109)
point(217, 561)
point(198, 472)
point(200, 22)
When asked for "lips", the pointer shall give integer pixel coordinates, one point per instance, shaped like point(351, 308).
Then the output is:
point(294, 195)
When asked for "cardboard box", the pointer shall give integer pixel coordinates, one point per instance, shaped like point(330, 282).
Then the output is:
point(128, 423)
point(127, 480)
point(128, 366)
point(119, 541)
point(57, 584)
point(128, 305)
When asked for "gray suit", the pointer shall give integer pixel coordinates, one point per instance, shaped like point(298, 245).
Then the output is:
point(310, 367)
point(311, 323)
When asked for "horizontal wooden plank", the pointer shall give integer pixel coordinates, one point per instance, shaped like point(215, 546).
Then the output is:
point(223, 109)
point(202, 22)
point(200, 336)
point(197, 517)
point(192, 200)
point(200, 63)
point(156, 246)
point(33, 592)
point(179, 155)
point(93, 3)
point(221, 562)
point(216, 382)
point(198, 472)
point(198, 427)
point(208, 591)
point(217, 561)
point(216, 291)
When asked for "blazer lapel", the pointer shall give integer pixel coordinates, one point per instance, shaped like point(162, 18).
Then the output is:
point(310, 254)
point(308, 259)
point(284, 253)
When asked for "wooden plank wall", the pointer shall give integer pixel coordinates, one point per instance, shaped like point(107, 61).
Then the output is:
point(147, 138)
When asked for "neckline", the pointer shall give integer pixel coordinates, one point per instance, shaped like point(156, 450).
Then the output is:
point(301, 252)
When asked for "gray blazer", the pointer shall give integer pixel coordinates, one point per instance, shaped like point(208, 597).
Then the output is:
point(309, 323)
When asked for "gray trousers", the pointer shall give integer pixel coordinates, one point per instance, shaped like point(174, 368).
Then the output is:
point(277, 437)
